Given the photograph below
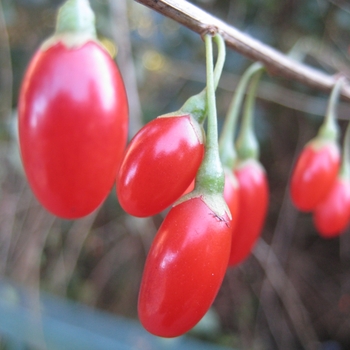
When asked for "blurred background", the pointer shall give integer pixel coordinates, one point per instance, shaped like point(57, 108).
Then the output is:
point(294, 290)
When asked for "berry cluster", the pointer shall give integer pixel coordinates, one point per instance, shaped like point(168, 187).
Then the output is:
point(73, 128)
point(320, 181)
point(218, 193)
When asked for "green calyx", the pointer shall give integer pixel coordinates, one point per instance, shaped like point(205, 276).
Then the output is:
point(196, 105)
point(247, 144)
point(210, 176)
point(329, 129)
point(76, 17)
point(227, 150)
point(75, 26)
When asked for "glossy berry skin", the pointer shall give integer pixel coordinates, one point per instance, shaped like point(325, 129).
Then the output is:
point(184, 268)
point(314, 174)
point(253, 203)
point(231, 195)
point(332, 215)
point(73, 121)
point(159, 164)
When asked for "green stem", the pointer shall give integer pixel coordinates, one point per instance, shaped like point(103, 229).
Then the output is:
point(197, 104)
point(76, 17)
point(345, 166)
point(212, 132)
point(210, 176)
point(247, 143)
point(226, 142)
point(329, 129)
point(220, 43)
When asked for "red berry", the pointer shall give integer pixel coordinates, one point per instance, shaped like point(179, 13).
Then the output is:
point(253, 202)
point(184, 268)
point(159, 164)
point(73, 123)
point(332, 215)
point(314, 174)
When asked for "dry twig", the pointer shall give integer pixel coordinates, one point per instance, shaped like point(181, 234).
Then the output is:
point(276, 62)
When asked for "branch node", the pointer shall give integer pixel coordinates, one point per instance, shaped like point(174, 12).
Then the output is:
point(210, 29)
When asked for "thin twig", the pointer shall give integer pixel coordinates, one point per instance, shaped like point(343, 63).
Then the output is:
point(77, 235)
point(6, 78)
point(341, 4)
point(275, 62)
point(121, 35)
point(287, 293)
point(122, 251)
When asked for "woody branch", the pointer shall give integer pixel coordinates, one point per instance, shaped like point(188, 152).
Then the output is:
point(276, 63)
